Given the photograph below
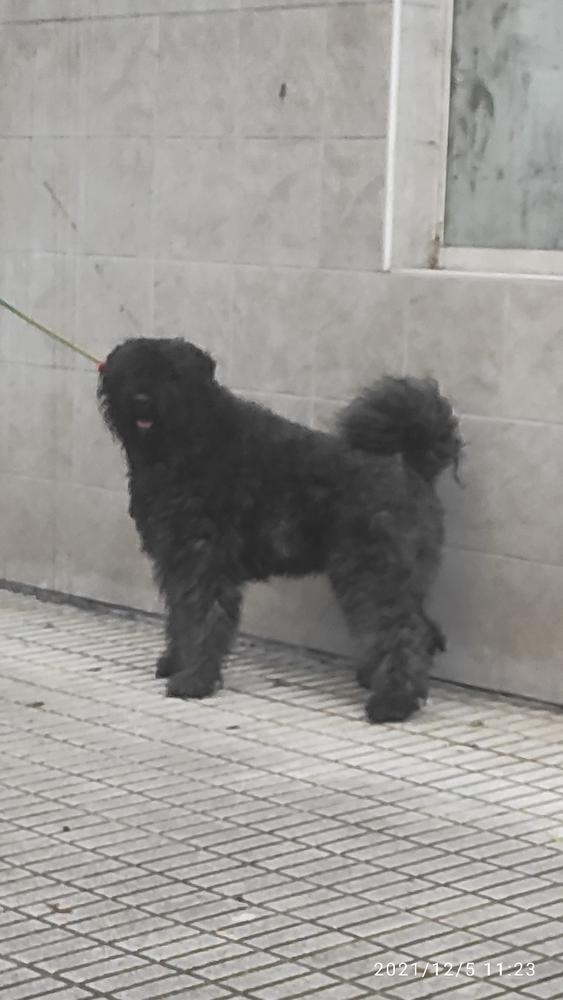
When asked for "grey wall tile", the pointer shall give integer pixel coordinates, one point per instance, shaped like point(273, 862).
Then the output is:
point(194, 199)
point(301, 612)
point(5, 373)
point(195, 301)
point(19, 47)
point(27, 529)
point(57, 75)
point(26, 10)
point(88, 456)
point(17, 341)
point(272, 330)
point(513, 490)
point(31, 10)
point(114, 302)
point(118, 88)
point(17, 230)
point(114, 7)
point(51, 299)
point(278, 217)
point(30, 416)
point(115, 571)
point(455, 333)
point(533, 352)
point(39, 183)
point(529, 467)
point(289, 4)
point(54, 193)
point(358, 43)
point(359, 334)
point(197, 77)
point(117, 196)
point(352, 204)
point(41, 79)
point(282, 72)
point(472, 505)
point(504, 623)
point(6, 478)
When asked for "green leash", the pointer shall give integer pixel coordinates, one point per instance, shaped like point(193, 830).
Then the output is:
point(50, 333)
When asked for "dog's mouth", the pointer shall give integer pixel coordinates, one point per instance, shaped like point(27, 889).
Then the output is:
point(142, 405)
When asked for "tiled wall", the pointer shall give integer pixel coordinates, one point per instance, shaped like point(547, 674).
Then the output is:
point(220, 173)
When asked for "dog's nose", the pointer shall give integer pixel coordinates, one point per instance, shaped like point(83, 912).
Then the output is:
point(141, 397)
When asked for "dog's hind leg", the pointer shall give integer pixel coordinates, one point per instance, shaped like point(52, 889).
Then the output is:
point(396, 663)
point(401, 664)
point(203, 618)
point(393, 635)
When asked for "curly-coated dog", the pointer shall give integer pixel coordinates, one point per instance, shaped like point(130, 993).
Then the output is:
point(224, 492)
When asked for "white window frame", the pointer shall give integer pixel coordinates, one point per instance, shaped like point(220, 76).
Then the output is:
point(419, 109)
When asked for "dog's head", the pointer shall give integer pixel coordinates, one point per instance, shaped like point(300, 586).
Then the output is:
point(150, 390)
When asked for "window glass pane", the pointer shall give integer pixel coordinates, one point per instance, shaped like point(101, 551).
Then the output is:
point(505, 156)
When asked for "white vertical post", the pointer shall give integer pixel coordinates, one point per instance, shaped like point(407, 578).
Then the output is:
point(392, 121)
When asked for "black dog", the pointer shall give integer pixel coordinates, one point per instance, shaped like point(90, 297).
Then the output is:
point(224, 492)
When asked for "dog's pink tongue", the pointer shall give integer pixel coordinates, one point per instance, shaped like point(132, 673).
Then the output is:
point(144, 425)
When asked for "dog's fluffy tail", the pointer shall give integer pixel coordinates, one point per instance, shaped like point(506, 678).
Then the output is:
point(406, 415)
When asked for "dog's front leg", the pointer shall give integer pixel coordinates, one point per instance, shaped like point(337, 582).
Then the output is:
point(203, 615)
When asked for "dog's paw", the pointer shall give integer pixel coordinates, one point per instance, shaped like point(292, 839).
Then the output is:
point(392, 706)
point(187, 685)
point(165, 665)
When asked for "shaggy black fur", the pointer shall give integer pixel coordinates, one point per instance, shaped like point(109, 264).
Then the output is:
point(224, 492)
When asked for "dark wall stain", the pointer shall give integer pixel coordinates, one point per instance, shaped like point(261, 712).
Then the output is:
point(480, 97)
point(499, 14)
point(434, 255)
point(57, 201)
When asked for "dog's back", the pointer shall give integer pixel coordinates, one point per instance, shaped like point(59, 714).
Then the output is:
point(288, 479)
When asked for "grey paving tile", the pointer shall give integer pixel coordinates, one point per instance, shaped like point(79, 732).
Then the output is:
point(39, 987)
point(299, 986)
point(15, 975)
point(266, 843)
point(159, 990)
point(200, 992)
point(215, 966)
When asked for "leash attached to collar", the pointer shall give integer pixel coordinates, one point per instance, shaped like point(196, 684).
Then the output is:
point(51, 333)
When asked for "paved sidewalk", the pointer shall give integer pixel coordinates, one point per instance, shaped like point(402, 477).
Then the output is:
point(267, 843)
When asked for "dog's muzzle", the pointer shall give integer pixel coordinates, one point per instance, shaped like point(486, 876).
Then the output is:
point(143, 412)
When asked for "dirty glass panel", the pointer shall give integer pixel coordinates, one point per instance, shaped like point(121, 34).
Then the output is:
point(505, 152)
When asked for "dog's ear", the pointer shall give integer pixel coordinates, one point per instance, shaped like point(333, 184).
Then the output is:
point(193, 361)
